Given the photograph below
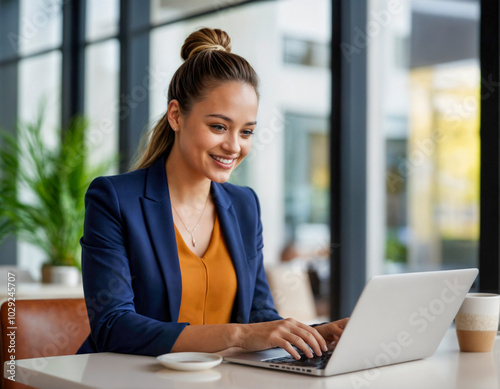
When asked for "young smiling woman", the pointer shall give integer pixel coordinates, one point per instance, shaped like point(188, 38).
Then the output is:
point(209, 144)
point(172, 253)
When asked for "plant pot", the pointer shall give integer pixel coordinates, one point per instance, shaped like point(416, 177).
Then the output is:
point(61, 275)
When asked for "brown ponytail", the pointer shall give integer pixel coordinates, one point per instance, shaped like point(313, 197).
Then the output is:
point(208, 63)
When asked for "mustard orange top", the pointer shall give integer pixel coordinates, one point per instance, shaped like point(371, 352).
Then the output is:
point(208, 283)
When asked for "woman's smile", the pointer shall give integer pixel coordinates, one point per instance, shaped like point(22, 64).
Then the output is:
point(223, 162)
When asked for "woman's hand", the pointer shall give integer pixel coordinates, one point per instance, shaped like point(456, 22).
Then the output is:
point(332, 331)
point(260, 336)
point(284, 334)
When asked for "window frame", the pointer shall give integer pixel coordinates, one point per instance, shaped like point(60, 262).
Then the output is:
point(489, 225)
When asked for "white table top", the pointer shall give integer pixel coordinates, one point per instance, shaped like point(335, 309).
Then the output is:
point(38, 290)
point(448, 368)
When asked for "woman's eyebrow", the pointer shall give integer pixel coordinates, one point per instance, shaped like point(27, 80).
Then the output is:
point(217, 115)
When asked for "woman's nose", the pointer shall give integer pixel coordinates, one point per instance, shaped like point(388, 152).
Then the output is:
point(231, 143)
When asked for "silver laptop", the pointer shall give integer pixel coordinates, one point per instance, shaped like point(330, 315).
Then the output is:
point(398, 318)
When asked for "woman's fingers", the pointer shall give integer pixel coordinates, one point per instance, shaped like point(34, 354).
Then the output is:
point(297, 341)
point(332, 331)
point(336, 331)
point(305, 338)
point(287, 346)
point(285, 334)
point(320, 341)
point(342, 322)
point(289, 333)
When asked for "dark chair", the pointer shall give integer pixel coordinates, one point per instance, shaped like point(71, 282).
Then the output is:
point(45, 328)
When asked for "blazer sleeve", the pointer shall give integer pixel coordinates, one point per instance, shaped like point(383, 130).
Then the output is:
point(263, 304)
point(107, 281)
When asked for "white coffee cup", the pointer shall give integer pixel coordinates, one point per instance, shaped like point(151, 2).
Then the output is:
point(477, 322)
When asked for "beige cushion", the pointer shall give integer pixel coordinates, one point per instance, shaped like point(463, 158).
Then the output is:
point(291, 291)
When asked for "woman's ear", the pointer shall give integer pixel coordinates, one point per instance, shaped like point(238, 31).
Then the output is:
point(174, 114)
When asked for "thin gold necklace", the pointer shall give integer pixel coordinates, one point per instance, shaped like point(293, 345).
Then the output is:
point(191, 231)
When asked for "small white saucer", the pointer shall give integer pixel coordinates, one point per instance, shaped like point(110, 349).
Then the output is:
point(189, 361)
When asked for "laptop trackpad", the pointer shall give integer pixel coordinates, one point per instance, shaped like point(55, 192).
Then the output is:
point(260, 355)
point(273, 353)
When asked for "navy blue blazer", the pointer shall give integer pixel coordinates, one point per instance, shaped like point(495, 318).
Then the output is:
point(131, 274)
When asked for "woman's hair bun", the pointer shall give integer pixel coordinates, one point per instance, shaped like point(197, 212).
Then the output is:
point(203, 40)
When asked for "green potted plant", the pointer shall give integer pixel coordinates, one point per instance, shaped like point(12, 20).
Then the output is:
point(42, 192)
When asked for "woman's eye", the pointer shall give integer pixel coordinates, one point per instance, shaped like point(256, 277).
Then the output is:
point(218, 127)
point(247, 133)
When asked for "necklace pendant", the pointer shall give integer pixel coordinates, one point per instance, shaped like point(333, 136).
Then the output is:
point(191, 231)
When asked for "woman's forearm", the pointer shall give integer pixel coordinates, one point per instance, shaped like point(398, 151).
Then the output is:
point(208, 338)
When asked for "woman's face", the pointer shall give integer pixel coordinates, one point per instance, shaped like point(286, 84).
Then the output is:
point(217, 134)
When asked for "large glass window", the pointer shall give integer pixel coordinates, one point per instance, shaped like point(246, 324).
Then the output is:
point(37, 93)
point(169, 10)
point(423, 91)
point(424, 84)
point(101, 18)
point(101, 98)
point(40, 26)
point(307, 180)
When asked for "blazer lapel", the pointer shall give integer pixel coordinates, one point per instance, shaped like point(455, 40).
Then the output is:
point(158, 217)
point(234, 241)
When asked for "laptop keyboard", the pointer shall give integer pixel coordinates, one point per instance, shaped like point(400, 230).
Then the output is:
point(317, 362)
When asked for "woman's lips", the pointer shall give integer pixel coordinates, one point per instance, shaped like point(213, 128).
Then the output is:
point(223, 162)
